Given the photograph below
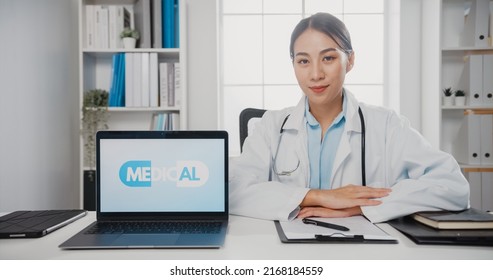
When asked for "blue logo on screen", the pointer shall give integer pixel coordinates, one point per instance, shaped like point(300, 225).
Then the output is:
point(186, 173)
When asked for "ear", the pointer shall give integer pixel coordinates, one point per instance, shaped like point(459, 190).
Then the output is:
point(350, 62)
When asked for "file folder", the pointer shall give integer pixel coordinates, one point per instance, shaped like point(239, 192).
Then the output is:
point(475, 31)
point(488, 79)
point(466, 147)
point(486, 138)
point(487, 191)
point(471, 79)
point(474, 179)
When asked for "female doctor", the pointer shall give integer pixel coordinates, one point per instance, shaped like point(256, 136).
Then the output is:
point(325, 158)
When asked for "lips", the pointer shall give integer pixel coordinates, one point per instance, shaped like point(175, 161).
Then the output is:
point(318, 89)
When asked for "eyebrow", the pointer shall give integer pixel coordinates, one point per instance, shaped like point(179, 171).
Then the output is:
point(321, 52)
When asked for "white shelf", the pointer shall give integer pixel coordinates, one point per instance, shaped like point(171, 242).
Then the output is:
point(452, 64)
point(171, 54)
point(466, 49)
point(95, 72)
point(470, 166)
point(143, 109)
point(111, 51)
point(466, 107)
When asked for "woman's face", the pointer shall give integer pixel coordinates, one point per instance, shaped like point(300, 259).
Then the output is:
point(320, 66)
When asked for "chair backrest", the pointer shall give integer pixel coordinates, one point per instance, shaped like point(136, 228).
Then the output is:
point(245, 116)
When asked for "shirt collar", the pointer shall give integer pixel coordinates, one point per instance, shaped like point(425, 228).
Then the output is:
point(310, 119)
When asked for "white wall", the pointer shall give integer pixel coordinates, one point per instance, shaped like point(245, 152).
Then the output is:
point(38, 104)
point(403, 71)
point(203, 87)
point(430, 74)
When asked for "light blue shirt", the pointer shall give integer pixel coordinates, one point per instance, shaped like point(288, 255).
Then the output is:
point(322, 153)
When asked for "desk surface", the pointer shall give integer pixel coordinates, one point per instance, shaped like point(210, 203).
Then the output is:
point(247, 239)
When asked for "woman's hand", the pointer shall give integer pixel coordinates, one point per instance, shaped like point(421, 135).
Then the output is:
point(341, 202)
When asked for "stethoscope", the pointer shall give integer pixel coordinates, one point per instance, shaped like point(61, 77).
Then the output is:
point(289, 172)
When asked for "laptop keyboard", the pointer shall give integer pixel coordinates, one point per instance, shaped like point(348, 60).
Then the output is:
point(188, 227)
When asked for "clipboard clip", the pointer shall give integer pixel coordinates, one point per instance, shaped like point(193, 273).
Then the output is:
point(350, 238)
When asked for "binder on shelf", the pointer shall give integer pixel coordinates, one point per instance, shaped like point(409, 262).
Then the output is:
point(170, 10)
point(119, 18)
point(488, 79)
point(153, 80)
point(475, 32)
point(145, 80)
point(466, 147)
point(142, 17)
point(487, 191)
point(474, 179)
point(174, 121)
point(102, 31)
point(471, 79)
point(129, 80)
point(113, 98)
point(486, 148)
point(90, 26)
point(157, 24)
point(163, 84)
point(177, 89)
point(168, 82)
point(171, 85)
point(481, 184)
point(121, 81)
point(137, 79)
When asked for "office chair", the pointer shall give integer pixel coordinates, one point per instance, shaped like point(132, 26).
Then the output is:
point(245, 117)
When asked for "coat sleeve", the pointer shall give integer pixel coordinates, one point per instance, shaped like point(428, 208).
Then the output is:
point(422, 178)
point(251, 192)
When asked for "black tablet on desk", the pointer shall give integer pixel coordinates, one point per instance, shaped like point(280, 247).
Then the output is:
point(422, 234)
point(36, 223)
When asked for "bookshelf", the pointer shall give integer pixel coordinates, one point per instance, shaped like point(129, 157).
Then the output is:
point(458, 49)
point(95, 72)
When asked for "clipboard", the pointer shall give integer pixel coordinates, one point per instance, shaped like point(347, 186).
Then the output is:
point(323, 235)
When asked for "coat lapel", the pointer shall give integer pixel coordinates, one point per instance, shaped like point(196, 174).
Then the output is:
point(351, 129)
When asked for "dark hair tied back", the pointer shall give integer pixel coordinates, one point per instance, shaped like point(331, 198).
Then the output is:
point(327, 24)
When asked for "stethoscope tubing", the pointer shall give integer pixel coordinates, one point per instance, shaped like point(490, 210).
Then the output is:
point(363, 149)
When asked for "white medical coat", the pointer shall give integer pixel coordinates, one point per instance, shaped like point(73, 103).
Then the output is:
point(397, 156)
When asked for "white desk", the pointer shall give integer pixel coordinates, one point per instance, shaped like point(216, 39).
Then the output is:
point(247, 239)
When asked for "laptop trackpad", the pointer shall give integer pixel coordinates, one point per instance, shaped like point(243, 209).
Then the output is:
point(150, 240)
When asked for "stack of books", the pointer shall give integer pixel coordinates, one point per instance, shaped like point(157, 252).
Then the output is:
point(157, 22)
point(139, 80)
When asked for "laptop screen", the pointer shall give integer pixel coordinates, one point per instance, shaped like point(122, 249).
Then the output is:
point(162, 172)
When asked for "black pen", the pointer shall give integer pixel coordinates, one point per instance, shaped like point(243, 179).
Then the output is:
point(324, 224)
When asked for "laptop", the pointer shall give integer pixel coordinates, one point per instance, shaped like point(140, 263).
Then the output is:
point(36, 223)
point(158, 189)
